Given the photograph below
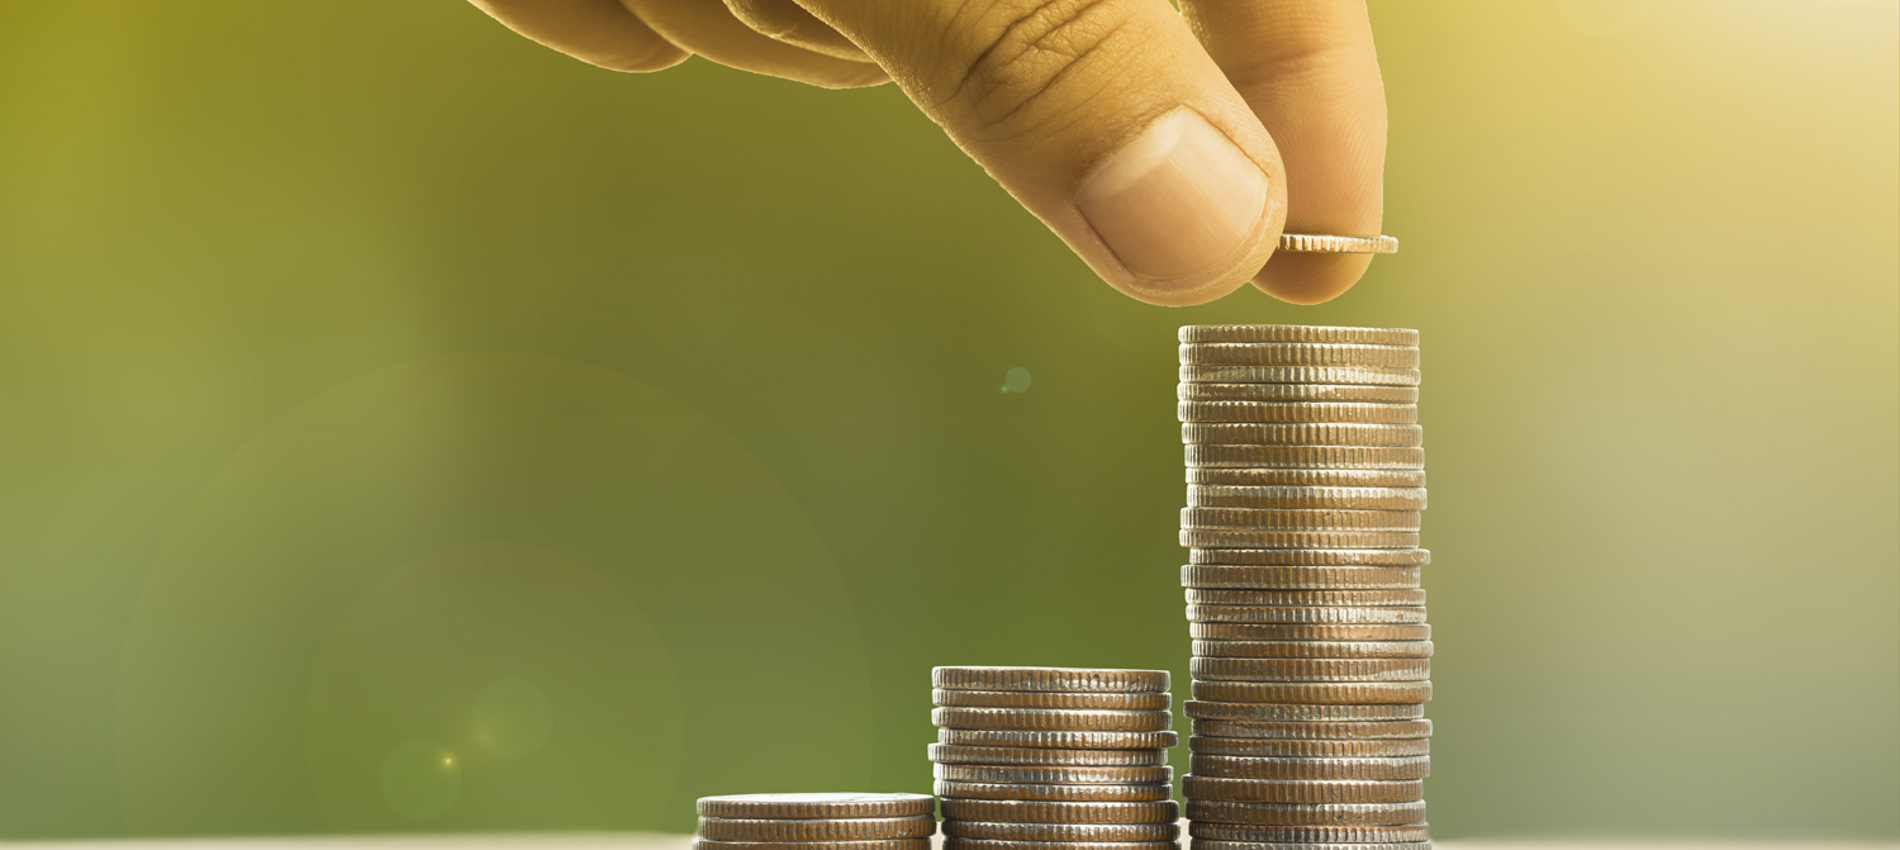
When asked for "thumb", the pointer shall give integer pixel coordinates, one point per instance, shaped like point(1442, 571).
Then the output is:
point(1105, 118)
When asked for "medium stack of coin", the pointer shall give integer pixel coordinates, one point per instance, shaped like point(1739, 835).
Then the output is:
point(1306, 479)
point(832, 821)
point(1046, 758)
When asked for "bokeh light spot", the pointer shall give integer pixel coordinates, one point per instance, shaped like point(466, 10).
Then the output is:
point(1016, 381)
point(512, 718)
point(421, 780)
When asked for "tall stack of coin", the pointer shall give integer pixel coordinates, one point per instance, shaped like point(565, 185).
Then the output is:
point(1311, 665)
point(838, 821)
point(1052, 758)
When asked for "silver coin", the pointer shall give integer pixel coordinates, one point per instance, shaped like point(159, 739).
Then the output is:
point(846, 804)
point(1295, 411)
point(1063, 679)
point(994, 844)
point(1302, 243)
point(1223, 538)
point(1088, 740)
point(1024, 811)
point(1369, 393)
point(1314, 730)
point(1309, 748)
point(1091, 832)
point(891, 844)
point(1398, 598)
point(1377, 375)
point(1307, 814)
point(1196, 787)
point(1303, 434)
point(1265, 614)
point(1053, 793)
point(1214, 577)
point(1063, 775)
point(1258, 476)
point(1298, 354)
point(1212, 844)
point(1257, 834)
point(1361, 694)
point(1312, 648)
point(1256, 767)
point(818, 829)
point(1309, 557)
point(1044, 757)
point(1259, 712)
point(1299, 519)
point(1298, 333)
point(1051, 719)
point(1309, 631)
point(1323, 498)
point(1048, 699)
point(1347, 458)
point(1337, 670)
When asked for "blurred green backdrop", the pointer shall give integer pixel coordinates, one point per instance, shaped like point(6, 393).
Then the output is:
point(406, 427)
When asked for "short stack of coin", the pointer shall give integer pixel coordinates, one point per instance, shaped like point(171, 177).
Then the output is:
point(1311, 654)
point(1052, 758)
point(822, 821)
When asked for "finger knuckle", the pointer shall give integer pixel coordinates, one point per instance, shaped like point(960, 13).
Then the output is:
point(1033, 63)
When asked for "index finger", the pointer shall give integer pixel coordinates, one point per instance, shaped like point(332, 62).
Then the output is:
point(1309, 70)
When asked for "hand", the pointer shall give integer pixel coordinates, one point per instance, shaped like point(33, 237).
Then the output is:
point(1169, 150)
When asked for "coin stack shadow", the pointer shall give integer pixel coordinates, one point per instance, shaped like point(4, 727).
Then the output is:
point(820, 821)
point(1311, 666)
point(1050, 758)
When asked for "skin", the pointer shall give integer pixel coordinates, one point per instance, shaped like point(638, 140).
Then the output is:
point(1042, 92)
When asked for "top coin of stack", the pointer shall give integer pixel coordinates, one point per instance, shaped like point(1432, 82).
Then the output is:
point(1036, 758)
point(1311, 654)
point(838, 821)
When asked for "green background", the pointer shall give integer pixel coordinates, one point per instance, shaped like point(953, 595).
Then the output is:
point(403, 426)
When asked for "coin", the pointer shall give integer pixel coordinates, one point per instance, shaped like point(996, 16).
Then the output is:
point(1258, 711)
point(1196, 787)
point(1309, 558)
point(1051, 719)
point(1304, 748)
point(1053, 793)
point(1325, 498)
point(1198, 373)
point(1313, 648)
point(1223, 538)
point(1316, 730)
point(1300, 243)
point(1401, 598)
point(1296, 411)
point(1210, 844)
point(1311, 669)
point(993, 844)
point(1058, 739)
point(1044, 757)
point(1064, 775)
point(1298, 354)
point(1068, 679)
point(1297, 333)
point(1090, 832)
point(1266, 833)
point(892, 844)
point(1315, 693)
point(1303, 434)
point(1302, 578)
point(1372, 393)
point(1307, 814)
point(1023, 811)
point(1223, 476)
point(1306, 457)
point(1266, 614)
point(1046, 699)
point(1309, 631)
point(1299, 519)
point(849, 804)
point(819, 829)
point(1256, 767)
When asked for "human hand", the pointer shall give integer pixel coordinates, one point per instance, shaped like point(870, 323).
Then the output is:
point(1168, 150)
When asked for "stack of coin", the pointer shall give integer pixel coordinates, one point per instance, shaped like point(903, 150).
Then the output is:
point(1048, 758)
point(840, 821)
point(1311, 654)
